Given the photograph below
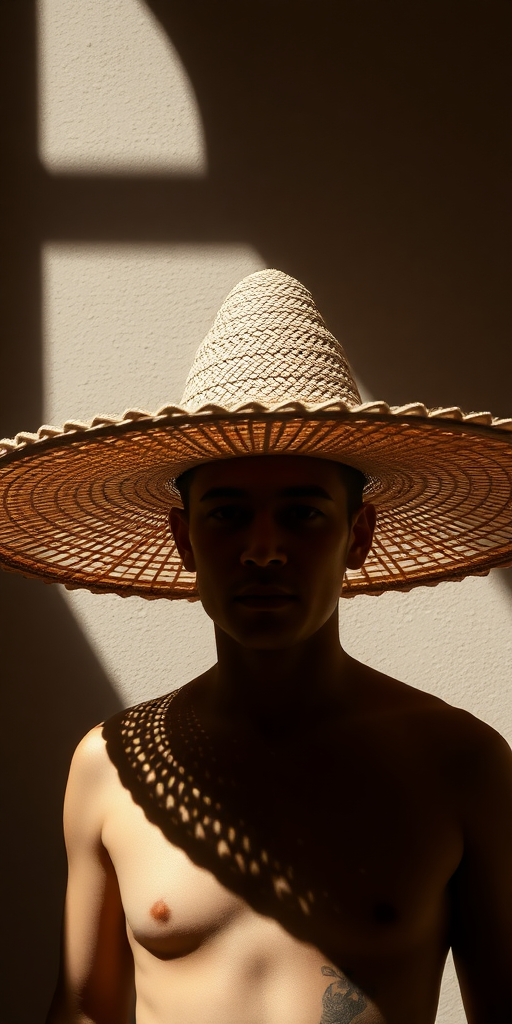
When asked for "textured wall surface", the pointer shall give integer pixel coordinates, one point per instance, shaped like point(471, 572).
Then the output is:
point(113, 94)
point(123, 313)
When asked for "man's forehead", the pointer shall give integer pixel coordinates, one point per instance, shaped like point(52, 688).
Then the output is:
point(276, 470)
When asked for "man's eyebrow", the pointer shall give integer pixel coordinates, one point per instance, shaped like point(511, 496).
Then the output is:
point(223, 492)
point(299, 491)
point(306, 491)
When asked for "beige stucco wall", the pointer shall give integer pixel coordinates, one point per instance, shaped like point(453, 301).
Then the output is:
point(121, 322)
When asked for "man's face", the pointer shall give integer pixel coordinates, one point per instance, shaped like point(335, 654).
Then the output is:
point(270, 538)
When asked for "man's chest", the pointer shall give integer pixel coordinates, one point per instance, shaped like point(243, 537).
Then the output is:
point(346, 851)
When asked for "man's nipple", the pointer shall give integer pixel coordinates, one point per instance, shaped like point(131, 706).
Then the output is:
point(160, 912)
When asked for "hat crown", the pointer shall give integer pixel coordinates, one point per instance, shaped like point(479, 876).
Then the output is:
point(269, 344)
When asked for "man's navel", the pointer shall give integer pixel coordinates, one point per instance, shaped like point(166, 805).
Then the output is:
point(160, 912)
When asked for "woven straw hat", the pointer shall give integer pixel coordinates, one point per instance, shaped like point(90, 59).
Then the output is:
point(87, 504)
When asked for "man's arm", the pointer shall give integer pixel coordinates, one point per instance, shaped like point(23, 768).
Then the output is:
point(482, 886)
point(96, 976)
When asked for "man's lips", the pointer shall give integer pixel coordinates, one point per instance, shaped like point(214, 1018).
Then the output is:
point(264, 597)
point(263, 590)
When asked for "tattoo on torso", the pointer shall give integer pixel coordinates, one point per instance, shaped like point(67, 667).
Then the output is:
point(342, 1001)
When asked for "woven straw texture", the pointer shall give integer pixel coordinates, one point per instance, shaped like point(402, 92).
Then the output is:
point(269, 344)
point(87, 504)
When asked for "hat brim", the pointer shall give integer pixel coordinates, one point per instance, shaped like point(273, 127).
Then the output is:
point(87, 505)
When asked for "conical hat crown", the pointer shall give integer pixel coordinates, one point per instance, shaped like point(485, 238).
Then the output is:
point(269, 344)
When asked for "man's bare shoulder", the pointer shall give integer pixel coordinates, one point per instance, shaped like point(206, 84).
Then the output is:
point(460, 734)
point(91, 778)
point(91, 762)
point(90, 759)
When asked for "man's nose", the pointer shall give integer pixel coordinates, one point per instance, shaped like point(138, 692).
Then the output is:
point(263, 543)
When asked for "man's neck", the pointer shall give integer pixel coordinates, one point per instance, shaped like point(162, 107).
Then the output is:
point(293, 686)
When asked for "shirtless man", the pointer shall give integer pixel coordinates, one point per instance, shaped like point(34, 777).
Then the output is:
point(292, 837)
point(394, 804)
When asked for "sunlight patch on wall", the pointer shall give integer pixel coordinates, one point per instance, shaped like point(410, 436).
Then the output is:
point(452, 640)
point(145, 647)
point(121, 327)
point(121, 323)
point(113, 93)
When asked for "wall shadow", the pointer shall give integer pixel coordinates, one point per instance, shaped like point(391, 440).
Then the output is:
point(364, 149)
point(53, 691)
point(20, 295)
point(53, 688)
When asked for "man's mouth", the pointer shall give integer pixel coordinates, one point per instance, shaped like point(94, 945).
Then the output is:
point(264, 597)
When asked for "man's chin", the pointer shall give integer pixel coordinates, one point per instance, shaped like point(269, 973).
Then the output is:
point(264, 635)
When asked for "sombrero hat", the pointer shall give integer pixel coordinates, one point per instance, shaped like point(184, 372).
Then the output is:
point(87, 504)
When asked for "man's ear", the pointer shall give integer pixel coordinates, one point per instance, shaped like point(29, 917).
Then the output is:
point(361, 536)
point(179, 525)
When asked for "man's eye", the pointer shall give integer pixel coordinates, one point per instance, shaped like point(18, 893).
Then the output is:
point(225, 514)
point(305, 513)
